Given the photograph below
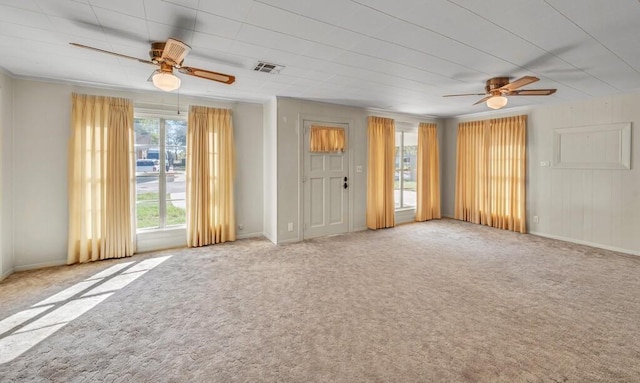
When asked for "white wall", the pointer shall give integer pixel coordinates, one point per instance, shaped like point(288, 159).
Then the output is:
point(595, 207)
point(270, 170)
point(7, 263)
point(248, 132)
point(41, 131)
point(290, 114)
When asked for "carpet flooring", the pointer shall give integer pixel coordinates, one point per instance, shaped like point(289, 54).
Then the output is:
point(441, 301)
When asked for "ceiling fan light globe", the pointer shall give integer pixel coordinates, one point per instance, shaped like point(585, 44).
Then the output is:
point(497, 102)
point(166, 81)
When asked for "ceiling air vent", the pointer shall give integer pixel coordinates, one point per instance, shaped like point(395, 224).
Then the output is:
point(266, 67)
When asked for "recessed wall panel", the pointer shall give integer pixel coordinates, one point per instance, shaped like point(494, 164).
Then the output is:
point(606, 146)
point(317, 163)
point(317, 201)
point(336, 163)
point(335, 200)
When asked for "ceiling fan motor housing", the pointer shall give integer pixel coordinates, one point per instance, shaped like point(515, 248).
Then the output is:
point(156, 51)
point(172, 51)
point(494, 84)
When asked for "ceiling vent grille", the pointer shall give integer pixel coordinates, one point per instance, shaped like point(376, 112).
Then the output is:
point(266, 67)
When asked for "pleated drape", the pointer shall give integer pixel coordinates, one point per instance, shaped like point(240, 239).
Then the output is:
point(380, 204)
point(491, 173)
point(325, 139)
point(428, 185)
point(101, 179)
point(211, 167)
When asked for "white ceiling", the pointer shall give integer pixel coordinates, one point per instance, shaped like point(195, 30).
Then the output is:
point(400, 55)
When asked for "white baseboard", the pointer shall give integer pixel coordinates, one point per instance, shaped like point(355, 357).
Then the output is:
point(292, 240)
point(250, 235)
point(587, 243)
point(6, 274)
point(33, 266)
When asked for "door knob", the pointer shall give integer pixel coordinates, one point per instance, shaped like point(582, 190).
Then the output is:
point(346, 185)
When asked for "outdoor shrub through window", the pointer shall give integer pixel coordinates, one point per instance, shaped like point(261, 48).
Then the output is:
point(160, 152)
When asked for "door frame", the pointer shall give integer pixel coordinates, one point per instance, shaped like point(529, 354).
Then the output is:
point(320, 119)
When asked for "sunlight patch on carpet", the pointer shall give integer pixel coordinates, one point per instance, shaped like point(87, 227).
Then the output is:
point(17, 319)
point(31, 327)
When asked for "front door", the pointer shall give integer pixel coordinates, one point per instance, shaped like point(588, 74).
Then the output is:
point(326, 199)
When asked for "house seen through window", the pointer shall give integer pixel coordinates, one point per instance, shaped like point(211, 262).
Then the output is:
point(160, 155)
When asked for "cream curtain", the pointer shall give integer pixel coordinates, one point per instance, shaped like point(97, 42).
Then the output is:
point(491, 173)
point(211, 171)
point(380, 203)
point(101, 179)
point(428, 186)
point(325, 139)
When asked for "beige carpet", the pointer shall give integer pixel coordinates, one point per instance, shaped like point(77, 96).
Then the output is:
point(442, 301)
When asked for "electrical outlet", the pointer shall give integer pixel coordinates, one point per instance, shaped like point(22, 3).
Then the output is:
point(290, 226)
point(359, 169)
point(536, 219)
point(240, 227)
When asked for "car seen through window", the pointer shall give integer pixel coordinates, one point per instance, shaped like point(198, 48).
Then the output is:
point(145, 166)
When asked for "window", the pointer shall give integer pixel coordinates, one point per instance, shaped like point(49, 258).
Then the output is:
point(406, 161)
point(160, 152)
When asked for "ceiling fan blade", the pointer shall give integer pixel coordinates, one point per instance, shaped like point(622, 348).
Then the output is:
point(209, 75)
point(483, 100)
point(466, 94)
point(526, 80)
point(533, 92)
point(113, 53)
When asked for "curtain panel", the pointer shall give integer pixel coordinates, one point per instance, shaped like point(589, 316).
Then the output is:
point(325, 139)
point(428, 185)
point(380, 175)
point(101, 179)
point(211, 167)
point(491, 173)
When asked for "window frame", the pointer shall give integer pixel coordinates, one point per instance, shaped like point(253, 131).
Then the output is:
point(162, 116)
point(402, 129)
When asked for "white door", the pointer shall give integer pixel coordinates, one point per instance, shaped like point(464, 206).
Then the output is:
point(326, 199)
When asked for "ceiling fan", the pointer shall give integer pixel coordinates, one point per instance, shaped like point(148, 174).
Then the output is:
point(167, 56)
point(498, 88)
